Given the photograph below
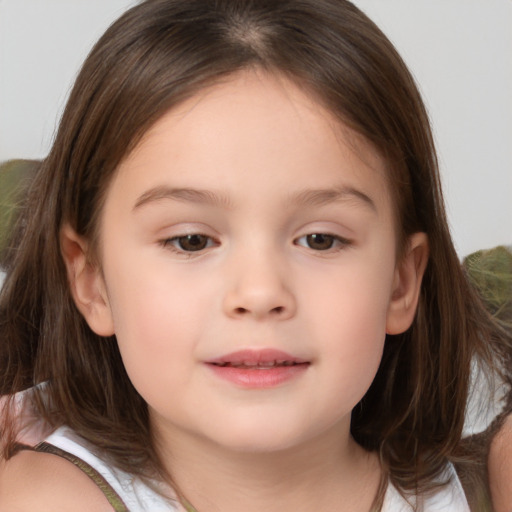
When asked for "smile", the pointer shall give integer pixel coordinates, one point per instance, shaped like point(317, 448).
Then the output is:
point(251, 365)
point(258, 368)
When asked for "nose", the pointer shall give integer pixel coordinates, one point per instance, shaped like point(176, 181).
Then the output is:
point(256, 288)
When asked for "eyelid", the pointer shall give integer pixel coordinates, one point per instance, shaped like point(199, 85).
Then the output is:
point(340, 242)
point(171, 243)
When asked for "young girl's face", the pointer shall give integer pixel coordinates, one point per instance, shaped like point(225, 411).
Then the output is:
point(248, 268)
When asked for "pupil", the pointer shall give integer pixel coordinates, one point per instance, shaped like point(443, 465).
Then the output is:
point(193, 242)
point(320, 241)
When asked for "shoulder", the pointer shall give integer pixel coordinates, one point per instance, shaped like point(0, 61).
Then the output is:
point(500, 468)
point(40, 482)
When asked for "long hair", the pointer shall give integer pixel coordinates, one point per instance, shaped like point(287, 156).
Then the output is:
point(155, 56)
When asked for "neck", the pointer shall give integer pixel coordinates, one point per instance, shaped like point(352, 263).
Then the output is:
point(315, 476)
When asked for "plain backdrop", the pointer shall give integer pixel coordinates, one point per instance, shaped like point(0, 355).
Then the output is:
point(460, 52)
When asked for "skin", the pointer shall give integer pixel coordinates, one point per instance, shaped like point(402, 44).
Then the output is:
point(262, 153)
point(40, 482)
point(500, 468)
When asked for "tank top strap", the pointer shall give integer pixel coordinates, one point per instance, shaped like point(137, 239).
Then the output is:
point(113, 498)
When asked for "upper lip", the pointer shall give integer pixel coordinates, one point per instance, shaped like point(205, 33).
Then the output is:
point(255, 357)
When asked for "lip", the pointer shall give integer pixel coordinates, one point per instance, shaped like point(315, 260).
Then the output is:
point(255, 369)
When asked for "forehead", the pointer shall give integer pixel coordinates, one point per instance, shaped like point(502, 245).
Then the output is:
point(254, 123)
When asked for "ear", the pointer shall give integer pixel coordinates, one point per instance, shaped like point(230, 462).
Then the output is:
point(407, 285)
point(86, 283)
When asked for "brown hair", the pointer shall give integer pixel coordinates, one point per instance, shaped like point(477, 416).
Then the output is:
point(156, 55)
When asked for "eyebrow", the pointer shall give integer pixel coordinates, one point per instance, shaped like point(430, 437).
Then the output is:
point(305, 198)
point(191, 195)
point(322, 197)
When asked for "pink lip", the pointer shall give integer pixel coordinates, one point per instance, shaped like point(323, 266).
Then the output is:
point(256, 357)
point(258, 368)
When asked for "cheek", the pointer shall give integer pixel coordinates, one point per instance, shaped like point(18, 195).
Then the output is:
point(156, 301)
point(157, 317)
point(352, 300)
point(350, 326)
point(356, 332)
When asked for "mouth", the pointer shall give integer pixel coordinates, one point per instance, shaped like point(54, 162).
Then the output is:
point(251, 365)
point(258, 368)
point(257, 359)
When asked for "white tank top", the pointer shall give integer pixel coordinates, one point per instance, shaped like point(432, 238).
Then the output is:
point(128, 494)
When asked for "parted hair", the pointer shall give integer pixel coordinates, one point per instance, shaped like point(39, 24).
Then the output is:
point(156, 55)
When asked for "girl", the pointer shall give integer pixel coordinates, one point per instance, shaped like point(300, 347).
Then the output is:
point(234, 288)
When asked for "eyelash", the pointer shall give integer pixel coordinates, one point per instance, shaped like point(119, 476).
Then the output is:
point(175, 243)
point(334, 243)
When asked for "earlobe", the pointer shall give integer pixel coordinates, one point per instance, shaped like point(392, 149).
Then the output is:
point(407, 285)
point(86, 283)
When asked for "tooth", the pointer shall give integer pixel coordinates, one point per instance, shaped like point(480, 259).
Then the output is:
point(250, 364)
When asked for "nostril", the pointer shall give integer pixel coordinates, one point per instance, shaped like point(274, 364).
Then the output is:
point(276, 311)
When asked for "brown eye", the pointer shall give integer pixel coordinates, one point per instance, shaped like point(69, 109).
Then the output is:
point(191, 243)
point(323, 242)
point(320, 241)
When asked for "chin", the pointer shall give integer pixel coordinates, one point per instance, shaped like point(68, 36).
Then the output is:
point(261, 440)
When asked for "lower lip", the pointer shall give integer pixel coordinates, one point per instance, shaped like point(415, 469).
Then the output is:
point(259, 378)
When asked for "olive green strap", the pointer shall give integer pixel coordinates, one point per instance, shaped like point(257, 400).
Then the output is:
point(188, 506)
point(109, 493)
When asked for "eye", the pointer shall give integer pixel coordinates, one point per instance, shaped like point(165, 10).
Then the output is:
point(321, 241)
point(189, 243)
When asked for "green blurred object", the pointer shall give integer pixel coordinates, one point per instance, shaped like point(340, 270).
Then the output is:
point(15, 175)
point(491, 273)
